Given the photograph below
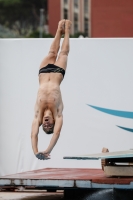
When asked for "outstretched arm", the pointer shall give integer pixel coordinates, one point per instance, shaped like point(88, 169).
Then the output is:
point(57, 128)
point(44, 155)
point(34, 140)
point(34, 135)
point(56, 134)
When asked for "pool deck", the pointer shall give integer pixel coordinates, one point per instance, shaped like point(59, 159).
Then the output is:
point(65, 178)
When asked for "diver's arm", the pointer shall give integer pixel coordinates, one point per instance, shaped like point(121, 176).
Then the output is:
point(34, 135)
point(56, 134)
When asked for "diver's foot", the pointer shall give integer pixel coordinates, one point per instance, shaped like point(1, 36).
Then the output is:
point(61, 26)
point(68, 25)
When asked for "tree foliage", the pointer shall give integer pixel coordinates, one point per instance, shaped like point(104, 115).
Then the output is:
point(35, 34)
point(22, 16)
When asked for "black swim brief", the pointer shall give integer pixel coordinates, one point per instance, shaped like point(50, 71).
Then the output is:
point(52, 68)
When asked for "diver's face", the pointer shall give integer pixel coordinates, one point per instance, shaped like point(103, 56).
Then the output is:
point(48, 123)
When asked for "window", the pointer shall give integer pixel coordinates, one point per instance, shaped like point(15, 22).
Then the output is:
point(86, 26)
point(65, 13)
point(75, 22)
point(75, 17)
point(75, 3)
point(65, 1)
point(86, 6)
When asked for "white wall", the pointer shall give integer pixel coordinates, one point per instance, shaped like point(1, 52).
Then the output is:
point(100, 73)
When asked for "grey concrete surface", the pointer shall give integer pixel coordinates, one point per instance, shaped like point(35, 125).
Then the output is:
point(31, 195)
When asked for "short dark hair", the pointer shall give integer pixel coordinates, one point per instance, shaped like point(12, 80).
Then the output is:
point(50, 131)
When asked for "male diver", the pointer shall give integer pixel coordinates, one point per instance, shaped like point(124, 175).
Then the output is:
point(49, 105)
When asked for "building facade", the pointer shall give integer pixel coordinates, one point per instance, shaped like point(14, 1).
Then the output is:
point(111, 18)
point(94, 18)
point(75, 10)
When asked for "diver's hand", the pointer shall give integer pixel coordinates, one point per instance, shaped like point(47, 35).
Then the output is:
point(42, 155)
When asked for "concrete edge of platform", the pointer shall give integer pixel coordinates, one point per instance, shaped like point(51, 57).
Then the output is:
point(61, 184)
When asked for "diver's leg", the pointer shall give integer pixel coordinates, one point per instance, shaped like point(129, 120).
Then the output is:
point(54, 48)
point(63, 55)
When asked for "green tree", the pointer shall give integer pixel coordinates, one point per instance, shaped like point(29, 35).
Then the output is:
point(35, 34)
point(22, 16)
point(76, 35)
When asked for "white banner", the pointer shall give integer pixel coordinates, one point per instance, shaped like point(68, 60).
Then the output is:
point(97, 92)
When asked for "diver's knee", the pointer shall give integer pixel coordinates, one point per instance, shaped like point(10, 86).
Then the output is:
point(64, 53)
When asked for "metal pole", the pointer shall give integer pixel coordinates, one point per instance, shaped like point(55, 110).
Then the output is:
point(41, 22)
